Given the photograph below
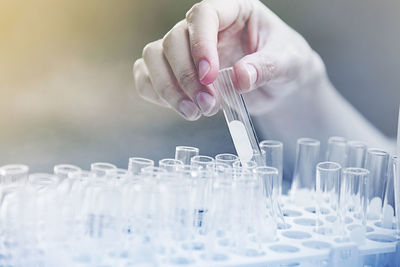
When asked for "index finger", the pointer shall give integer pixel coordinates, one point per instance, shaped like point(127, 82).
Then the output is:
point(205, 20)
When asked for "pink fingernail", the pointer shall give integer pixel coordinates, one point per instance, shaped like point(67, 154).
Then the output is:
point(205, 101)
point(252, 73)
point(188, 109)
point(204, 68)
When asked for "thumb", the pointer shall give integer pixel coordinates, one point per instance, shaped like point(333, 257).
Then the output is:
point(256, 69)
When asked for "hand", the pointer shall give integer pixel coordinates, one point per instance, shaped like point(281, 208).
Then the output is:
point(266, 54)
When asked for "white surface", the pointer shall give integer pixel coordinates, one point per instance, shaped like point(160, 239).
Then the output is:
point(241, 141)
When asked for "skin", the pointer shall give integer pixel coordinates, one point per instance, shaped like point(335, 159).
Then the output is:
point(284, 81)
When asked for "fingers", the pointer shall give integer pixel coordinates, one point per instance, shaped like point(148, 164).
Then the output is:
point(164, 82)
point(177, 52)
point(204, 21)
point(267, 66)
point(143, 84)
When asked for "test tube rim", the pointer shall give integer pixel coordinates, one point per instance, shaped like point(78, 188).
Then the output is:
point(331, 163)
point(356, 171)
point(377, 152)
point(43, 176)
point(195, 158)
point(356, 144)
point(140, 160)
point(268, 170)
point(271, 143)
point(176, 161)
point(308, 141)
point(337, 140)
point(109, 165)
point(12, 169)
point(71, 167)
point(188, 148)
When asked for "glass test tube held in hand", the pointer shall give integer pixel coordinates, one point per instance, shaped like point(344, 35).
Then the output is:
point(238, 120)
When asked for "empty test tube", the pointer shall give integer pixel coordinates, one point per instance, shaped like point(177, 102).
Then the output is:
point(355, 199)
point(388, 201)
point(170, 165)
point(14, 174)
point(238, 120)
point(185, 153)
point(396, 183)
point(356, 154)
point(136, 164)
point(63, 170)
point(336, 151)
point(101, 168)
point(307, 157)
point(226, 158)
point(377, 164)
point(274, 158)
point(327, 194)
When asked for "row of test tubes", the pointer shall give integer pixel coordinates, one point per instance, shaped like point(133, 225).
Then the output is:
point(354, 181)
point(188, 205)
point(166, 211)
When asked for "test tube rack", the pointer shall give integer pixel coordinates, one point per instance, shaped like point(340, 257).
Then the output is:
point(299, 245)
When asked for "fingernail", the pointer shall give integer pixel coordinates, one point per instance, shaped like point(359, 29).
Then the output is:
point(205, 101)
point(204, 68)
point(252, 73)
point(188, 109)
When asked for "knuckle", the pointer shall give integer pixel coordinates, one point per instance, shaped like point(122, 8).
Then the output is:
point(187, 78)
point(136, 66)
point(149, 49)
point(195, 9)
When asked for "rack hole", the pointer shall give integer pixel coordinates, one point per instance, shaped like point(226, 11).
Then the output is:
point(296, 234)
point(316, 244)
point(307, 222)
point(381, 238)
point(284, 248)
point(291, 213)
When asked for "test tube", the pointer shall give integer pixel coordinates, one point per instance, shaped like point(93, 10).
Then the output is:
point(388, 201)
point(170, 165)
point(14, 174)
point(63, 170)
point(136, 164)
point(307, 157)
point(336, 151)
point(185, 153)
point(274, 158)
point(327, 194)
point(355, 199)
point(226, 158)
point(356, 154)
point(101, 168)
point(377, 164)
point(396, 183)
point(238, 119)
point(205, 163)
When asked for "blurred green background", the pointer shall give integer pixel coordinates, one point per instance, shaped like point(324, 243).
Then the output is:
point(66, 86)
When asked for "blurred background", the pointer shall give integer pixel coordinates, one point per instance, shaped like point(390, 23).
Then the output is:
point(66, 86)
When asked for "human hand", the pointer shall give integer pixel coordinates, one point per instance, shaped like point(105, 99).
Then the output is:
point(266, 54)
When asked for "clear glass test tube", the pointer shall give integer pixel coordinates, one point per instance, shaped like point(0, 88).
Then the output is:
point(101, 168)
point(170, 165)
point(307, 157)
point(136, 164)
point(396, 182)
point(377, 164)
point(63, 170)
point(14, 174)
point(355, 199)
point(336, 151)
point(388, 207)
point(238, 119)
point(226, 158)
point(356, 154)
point(205, 163)
point(327, 195)
point(185, 153)
point(274, 157)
